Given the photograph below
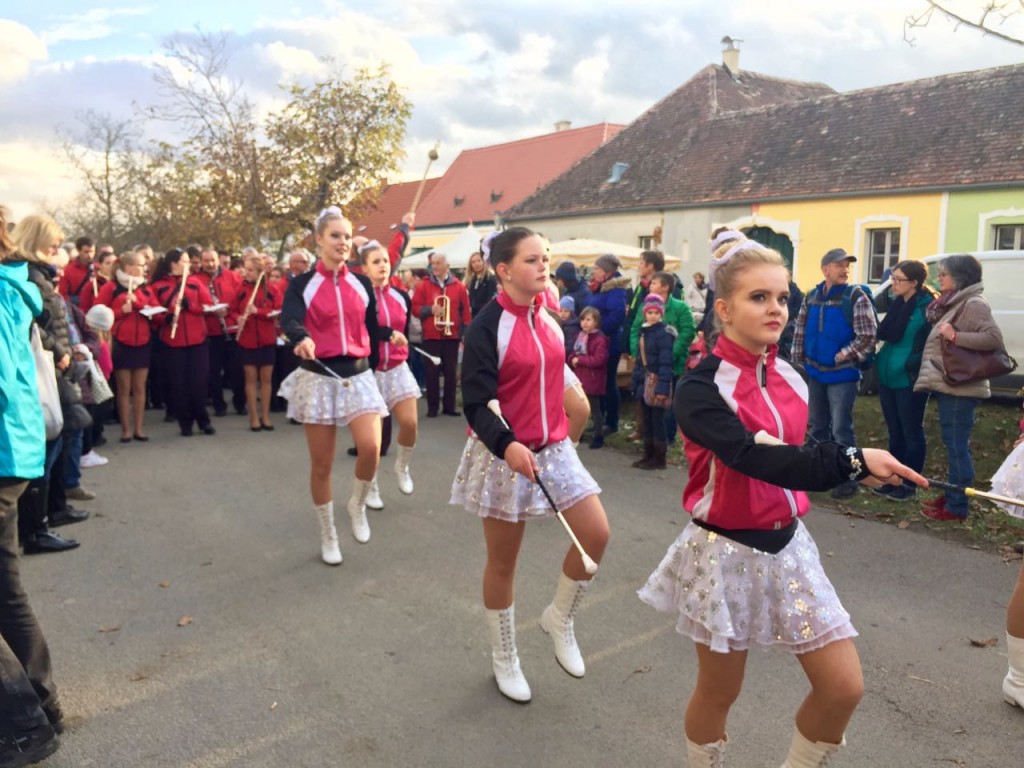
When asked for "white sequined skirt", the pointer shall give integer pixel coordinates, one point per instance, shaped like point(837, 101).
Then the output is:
point(1009, 480)
point(728, 595)
point(485, 486)
point(571, 379)
point(316, 399)
point(397, 384)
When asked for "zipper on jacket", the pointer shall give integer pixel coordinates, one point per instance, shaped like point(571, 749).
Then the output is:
point(762, 375)
point(543, 378)
point(382, 300)
point(341, 313)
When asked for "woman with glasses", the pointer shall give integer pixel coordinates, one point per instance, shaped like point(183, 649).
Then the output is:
point(962, 317)
point(903, 332)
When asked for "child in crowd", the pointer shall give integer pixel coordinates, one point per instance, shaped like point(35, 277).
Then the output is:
point(655, 360)
point(589, 361)
point(570, 323)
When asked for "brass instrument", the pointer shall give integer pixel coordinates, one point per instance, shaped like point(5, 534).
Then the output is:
point(445, 324)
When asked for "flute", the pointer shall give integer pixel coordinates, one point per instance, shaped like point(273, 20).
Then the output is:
point(181, 294)
point(255, 288)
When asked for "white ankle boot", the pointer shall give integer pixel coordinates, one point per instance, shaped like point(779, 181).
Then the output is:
point(373, 499)
point(504, 655)
point(357, 509)
point(706, 755)
point(1013, 683)
point(329, 549)
point(402, 469)
point(557, 621)
point(807, 754)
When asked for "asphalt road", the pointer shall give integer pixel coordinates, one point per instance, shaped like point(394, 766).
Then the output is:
point(384, 661)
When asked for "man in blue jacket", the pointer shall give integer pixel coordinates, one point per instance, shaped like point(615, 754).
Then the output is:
point(835, 332)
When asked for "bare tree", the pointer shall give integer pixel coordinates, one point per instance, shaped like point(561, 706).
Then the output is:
point(989, 18)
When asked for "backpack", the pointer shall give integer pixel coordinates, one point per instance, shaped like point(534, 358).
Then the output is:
point(850, 295)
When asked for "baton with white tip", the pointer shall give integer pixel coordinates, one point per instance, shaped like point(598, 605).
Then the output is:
point(588, 562)
point(432, 358)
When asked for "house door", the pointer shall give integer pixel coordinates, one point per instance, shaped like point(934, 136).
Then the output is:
point(768, 237)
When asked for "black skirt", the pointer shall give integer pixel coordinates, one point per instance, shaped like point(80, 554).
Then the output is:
point(258, 357)
point(129, 358)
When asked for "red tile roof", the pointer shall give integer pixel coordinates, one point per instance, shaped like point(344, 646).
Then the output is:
point(961, 129)
point(512, 170)
point(395, 201)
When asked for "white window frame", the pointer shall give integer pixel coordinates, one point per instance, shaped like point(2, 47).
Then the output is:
point(1018, 237)
point(891, 257)
point(647, 243)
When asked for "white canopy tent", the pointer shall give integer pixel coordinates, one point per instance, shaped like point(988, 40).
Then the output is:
point(582, 251)
point(457, 251)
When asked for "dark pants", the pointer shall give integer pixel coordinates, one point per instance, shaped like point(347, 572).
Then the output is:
point(34, 501)
point(956, 420)
point(611, 397)
point(156, 381)
point(223, 362)
point(188, 374)
point(654, 423)
point(448, 351)
point(416, 365)
point(26, 680)
point(903, 411)
point(596, 414)
point(285, 362)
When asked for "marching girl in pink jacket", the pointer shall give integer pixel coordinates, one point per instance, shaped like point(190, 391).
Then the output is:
point(745, 571)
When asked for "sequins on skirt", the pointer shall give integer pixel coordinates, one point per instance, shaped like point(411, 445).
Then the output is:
point(485, 486)
point(728, 595)
point(571, 379)
point(321, 399)
point(397, 384)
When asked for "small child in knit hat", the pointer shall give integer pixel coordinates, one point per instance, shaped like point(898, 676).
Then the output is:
point(655, 382)
point(570, 323)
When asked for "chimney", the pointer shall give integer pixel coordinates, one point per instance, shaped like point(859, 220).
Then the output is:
point(731, 55)
point(562, 125)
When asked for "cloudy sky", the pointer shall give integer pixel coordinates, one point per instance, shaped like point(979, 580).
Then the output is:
point(477, 71)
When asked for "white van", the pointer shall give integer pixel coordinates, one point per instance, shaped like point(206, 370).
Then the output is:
point(1003, 278)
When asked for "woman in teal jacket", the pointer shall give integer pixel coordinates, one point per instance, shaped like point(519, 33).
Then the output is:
point(903, 333)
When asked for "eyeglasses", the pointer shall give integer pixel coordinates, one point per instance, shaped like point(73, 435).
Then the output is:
point(943, 274)
point(901, 279)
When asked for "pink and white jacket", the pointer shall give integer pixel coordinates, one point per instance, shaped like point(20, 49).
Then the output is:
point(392, 315)
point(515, 354)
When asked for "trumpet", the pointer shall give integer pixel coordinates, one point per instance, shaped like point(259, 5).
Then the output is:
point(445, 323)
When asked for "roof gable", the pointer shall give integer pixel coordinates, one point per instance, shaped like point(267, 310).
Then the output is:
point(395, 201)
point(482, 181)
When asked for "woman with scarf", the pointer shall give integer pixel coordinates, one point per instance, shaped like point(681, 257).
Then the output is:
point(132, 301)
point(962, 317)
point(904, 331)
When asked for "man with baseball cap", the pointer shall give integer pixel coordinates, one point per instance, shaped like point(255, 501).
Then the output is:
point(835, 332)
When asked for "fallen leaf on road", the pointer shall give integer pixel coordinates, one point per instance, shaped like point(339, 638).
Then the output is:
point(105, 630)
point(164, 584)
point(273, 706)
point(903, 525)
point(921, 679)
point(136, 676)
point(184, 621)
point(987, 643)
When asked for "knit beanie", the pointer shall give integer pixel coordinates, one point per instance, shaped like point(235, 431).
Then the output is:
point(100, 317)
point(655, 302)
point(609, 262)
point(567, 302)
point(567, 271)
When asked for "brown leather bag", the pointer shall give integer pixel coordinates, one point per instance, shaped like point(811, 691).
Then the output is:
point(965, 366)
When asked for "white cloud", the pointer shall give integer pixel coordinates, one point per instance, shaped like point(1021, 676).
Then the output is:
point(293, 63)
point(21, 47)
point(91, 25)
point(31, 173)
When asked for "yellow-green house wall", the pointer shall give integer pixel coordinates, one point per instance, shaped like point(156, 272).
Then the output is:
point(973, 216)
point(816, 226)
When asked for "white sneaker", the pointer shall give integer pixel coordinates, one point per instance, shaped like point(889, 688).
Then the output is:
point(92, 459)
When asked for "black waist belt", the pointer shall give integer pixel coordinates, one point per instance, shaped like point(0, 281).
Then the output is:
point(770, 541)
point(342, 365)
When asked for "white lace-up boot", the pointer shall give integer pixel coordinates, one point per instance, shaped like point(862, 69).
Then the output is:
point(706, 755)
point(373, 499)
point(329, 549)
point(402, 469)
point(1013, 683)
point(557, 621)
point(504, 655)
point(357, 509)
point(807, 754)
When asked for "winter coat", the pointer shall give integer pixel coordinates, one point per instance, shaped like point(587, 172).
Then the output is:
point(570, 329)
point(898, 362)
point(679, 316)
point(22, 431)
point(654, 350)
point(132, 328)
point(423, 298)
point(481, 290)
point(610, 300)
point(260, 329)
point(975, 329)
point(592, 367)
point(53, 324)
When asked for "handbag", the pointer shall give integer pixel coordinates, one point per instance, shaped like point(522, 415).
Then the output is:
point(46, 380)
point(962, 366)
point(101, 391)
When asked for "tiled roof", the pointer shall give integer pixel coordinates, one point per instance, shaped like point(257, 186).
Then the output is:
point(497, 177)
point(395, 201)
point(962, 129)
